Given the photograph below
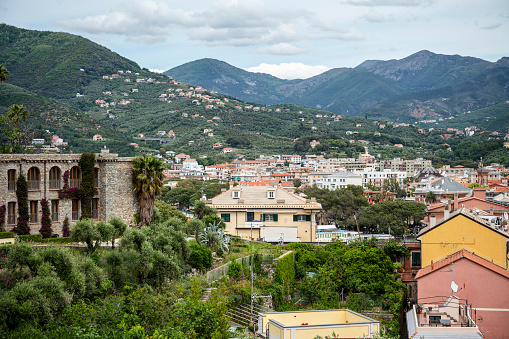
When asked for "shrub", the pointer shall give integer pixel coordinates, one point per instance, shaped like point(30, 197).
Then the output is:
point(2, 218)
point(200, 257)
point(234, 270)
point(4, 235)
point(66, 231)
point(22, 195)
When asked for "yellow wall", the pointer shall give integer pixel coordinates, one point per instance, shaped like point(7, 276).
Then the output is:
point(305, 229)
point(342, 332)
point(461, 232)
point(275, 331)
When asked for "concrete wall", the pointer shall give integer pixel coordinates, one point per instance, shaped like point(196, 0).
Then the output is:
point(115, 191)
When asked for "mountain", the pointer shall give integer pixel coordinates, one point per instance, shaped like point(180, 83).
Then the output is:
point(350, 91)
point(55, 64)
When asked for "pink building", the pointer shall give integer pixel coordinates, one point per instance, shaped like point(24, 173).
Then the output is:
point(480, 283)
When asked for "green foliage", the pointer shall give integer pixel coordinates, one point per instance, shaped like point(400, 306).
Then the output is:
point(22, 195)
point(91, 234)
point(285, 274)
point(394, 216)
point(66, 232)
point(201, 210)
point(168, 211)
point(2, 218)
point(148, 182)
point(234, 270)
point(86, 164)
point(45, 229)
point(200, 257)
point(4, 235)
point(396, 250)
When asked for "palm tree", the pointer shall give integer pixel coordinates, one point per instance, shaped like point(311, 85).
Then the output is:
point(430, 198)
point(17, 114)
point(148, 183)
point(4, 73)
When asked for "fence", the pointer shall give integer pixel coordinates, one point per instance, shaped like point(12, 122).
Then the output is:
point(219, 272)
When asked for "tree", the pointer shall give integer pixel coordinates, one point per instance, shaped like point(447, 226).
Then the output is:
point(118, 229)
point(14, 131)
point(4, 73)
point(45, 230)
point(87, 163)
point(17, 114)
point(148, 182)
point(297, 182)
point(430, 198)
point(91, 234)
point(168, 211)
point(22, 195)
point(201, 209)
point(392, 185)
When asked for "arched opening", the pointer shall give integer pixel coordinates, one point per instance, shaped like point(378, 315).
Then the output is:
point(75, 177)
point(54, 178)
point(11, 180)
point(34, 179)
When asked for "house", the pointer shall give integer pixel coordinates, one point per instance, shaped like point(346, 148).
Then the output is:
point(161, 133)
point(310, 324)
point(45, 175)
point(227, 150)
point(267, 212)
point(339, 180)
point(443, 188)
point(97, 137)
point(465, 276)
point(463, 230)
point(181, 157)
point(217, 145)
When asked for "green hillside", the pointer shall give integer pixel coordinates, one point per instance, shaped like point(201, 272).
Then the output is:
point(50, 63)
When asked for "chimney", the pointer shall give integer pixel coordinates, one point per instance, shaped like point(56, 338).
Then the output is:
point(456, 201)
point(446, 212)
point(480, 193)
point(491, 210)
point(432, 220)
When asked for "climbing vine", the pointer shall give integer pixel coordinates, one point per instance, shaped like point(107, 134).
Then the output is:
point(45, 230)
point(87, 163)
point(22, 195)
point(67, 192)
point(2, 218)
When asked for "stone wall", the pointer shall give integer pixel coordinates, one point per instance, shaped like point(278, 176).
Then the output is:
point(115, 190)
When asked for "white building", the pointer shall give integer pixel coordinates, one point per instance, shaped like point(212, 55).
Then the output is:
point(339, 180)
point(378, 178)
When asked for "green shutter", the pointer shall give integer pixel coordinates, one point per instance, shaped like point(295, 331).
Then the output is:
point(295, 217)
point(308, 218)
point(263, 217)
point(225, 217)
point(275, 217)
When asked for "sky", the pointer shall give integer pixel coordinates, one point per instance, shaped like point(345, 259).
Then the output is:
point(286, 38)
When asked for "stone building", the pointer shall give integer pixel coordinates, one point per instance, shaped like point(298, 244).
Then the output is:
point(44, 174)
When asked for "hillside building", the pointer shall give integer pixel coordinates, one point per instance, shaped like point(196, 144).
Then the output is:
point(44, 174)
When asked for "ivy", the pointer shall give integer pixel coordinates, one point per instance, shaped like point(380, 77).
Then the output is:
point(87, 163)
point(66, 192)
point(22, 195)
point(66, 232)
point(45, 230)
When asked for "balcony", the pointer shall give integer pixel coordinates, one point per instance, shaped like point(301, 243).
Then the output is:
point(253, 224)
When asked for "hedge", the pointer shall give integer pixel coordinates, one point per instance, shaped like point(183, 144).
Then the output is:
point(4, 235)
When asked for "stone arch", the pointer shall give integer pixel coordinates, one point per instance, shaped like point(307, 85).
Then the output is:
point(55, 175)
point(34, 179)
point(75, 177)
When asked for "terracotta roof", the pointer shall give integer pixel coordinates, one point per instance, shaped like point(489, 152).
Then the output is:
point(463, 253)
point(460, 200)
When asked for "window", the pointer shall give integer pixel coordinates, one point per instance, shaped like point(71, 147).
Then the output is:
point(270, 217)
point(95, 208)
point(225, 217)
point(236, 194)
point(75, 209)
point(271, 194)
point(54, 178)
point(54, 210)
point(11, 180)
point(416, 259)
point(11, 213)
point(250, 216)
point(34, 178)
point(301, 217)
point(75, 177)
point(33, 210)
point(96, 177)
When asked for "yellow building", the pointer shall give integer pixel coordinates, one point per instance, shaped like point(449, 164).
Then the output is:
point(268, 213)
point(308, 324)
point(463, 230)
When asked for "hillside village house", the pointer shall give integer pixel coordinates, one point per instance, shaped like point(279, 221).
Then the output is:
point(270, 212)
point(44, 174)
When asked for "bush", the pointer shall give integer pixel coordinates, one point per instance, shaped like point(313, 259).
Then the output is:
point(31, 237)
point(4, 235)
point(234, 270)
point(200, 257)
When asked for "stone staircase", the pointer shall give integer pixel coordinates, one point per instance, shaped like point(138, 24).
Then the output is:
point(206, 294)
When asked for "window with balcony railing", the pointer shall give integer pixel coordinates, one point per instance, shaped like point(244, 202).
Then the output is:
point(11, 213)
point(75, 214)
point(54, 178)
point(75, 177)
point(54, 210)
point(96, 177)
point(95, 208)
point(33, 211)
point(34, 179)
point(11, 180)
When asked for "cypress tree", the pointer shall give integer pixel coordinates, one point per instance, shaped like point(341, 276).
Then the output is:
point(22, 195)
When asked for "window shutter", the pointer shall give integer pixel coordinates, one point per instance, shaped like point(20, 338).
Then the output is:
point(296, 218)
point(263, 217)
point(308, 218)
point(275, 217)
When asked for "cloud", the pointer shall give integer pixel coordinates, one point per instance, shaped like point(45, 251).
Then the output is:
point(291, 70)
point(377, 17)
point(222, 23)
point(155, 70)
point(281, 49)
point(390, 3)
point(491, 27)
